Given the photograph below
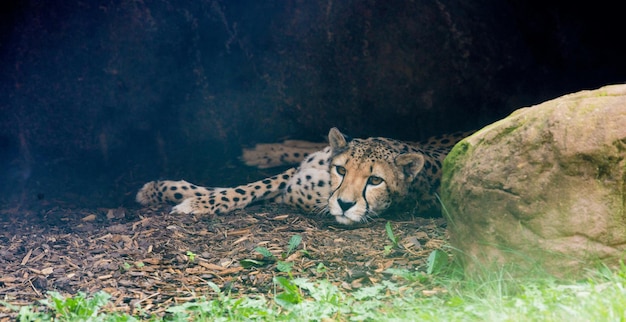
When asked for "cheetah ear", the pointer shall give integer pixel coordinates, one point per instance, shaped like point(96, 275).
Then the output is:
point(411, 164)
point(336, 139)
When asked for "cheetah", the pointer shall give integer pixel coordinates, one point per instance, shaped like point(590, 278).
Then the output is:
point(350, 179)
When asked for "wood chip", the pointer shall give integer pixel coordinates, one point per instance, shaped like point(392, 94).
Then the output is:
point(91, 217)
point(229, 271)
point(27, 257)
point(240, 240)
point(151, 261)
point(238, 232)
point(47, 271)
point(211, 266)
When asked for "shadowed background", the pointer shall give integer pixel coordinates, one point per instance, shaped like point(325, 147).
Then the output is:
point(97, 97)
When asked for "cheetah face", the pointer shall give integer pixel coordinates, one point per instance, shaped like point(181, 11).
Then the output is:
point(367, 177)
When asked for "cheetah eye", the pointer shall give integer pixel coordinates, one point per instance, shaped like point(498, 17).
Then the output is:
point(341, 170)
point(374, 180)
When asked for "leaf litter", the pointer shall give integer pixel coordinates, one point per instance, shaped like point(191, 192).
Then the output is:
point(149, 260)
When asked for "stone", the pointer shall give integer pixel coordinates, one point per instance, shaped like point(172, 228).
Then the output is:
point(543, 190)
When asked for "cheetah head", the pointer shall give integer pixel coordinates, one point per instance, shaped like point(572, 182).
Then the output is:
point(368, 176)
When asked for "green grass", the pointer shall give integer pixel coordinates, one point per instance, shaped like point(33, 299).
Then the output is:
point(406, 295)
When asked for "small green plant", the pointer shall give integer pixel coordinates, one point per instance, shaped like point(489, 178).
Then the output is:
point(264, 252)
point(222, 308)
point(127, 266)
point(284, 267)
point(80, 307)
point(437, 262)
point(294, 242)
point(291, 295)
point(321, 268)
point(392, 237)
point(269, 258)
point(191, 256)
point(409, 276)
point(307, 300)
point(27, 313)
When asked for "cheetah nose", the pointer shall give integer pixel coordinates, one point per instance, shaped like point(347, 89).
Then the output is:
point(345, 205)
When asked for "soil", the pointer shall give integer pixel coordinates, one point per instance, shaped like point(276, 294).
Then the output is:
point(150, 259)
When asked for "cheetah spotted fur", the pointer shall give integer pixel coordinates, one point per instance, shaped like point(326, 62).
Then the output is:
point(353, 180)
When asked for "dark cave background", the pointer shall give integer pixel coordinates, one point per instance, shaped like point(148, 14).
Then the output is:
point(97, 97)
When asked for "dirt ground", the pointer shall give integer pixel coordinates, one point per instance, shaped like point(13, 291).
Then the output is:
point(150, 259)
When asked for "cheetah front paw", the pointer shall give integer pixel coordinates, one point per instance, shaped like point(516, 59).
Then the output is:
point(198, 206)
point(192, 206)
point(218, 202)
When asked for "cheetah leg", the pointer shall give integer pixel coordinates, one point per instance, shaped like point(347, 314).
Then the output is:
point(271, 155)
point(167, 191)
point(212, 201)
point(225, 200)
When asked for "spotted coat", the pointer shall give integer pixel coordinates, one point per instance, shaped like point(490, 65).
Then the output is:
point(352, 180)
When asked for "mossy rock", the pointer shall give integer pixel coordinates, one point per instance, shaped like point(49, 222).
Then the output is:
point(543, 189)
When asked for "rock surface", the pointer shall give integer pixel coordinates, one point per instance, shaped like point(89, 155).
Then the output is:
point(544, 189)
